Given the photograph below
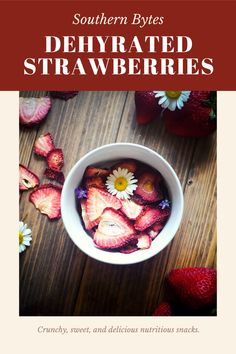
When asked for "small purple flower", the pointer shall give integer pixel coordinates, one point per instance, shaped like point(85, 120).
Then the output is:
point(165, 203)
point(81, 193)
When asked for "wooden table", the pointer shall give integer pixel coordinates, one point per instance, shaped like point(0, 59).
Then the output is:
point(56, 278)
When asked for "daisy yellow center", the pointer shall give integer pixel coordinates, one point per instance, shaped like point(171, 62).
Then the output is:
point(21, 237)
point(173, 94)
point(121, 184)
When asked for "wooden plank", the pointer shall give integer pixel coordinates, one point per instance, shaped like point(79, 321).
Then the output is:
point(52, 268)
point(134, 289)
point(195, 242)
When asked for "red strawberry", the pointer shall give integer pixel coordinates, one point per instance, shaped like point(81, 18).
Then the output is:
point(55, 159)
point(130, 165)
point(47, 198)
point(64, 95)
point(27, 179)
point(92, 171)
point(197, 117)
point(148, 187)
point(54, 175)
point(147, 107)
point(98, 200)
point(131, 209)
point(164, 309)
point(87, 223)
point(144, 241)
point(130, 247)
point(148, 217)
point(194, 288)
point(96, 182)
point(44, 144)
point(33, 110)
point(114, 230)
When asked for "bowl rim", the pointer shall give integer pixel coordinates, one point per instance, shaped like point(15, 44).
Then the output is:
point(128, 260)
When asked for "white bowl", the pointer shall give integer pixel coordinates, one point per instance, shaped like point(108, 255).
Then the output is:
point(100, 156)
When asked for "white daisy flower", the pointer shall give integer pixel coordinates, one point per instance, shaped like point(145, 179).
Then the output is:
point(172, 99)
point(121, 183)
point(24, 236)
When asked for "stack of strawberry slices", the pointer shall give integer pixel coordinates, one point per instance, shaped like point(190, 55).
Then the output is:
point(125, 207)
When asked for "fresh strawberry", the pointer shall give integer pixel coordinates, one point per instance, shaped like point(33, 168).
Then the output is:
point(148, 217)
point(54, 175)
point(96, 182)
point(98, 200)
point(197, 117)
point(130, 247)
point(44, 144)
point(129, 164)
point(114, 230)
point(194, 288)
point(164, 309)
point(87, 223)
point(47, 198)
point(92, 171)
point(27, 179)
point(144, 241)
point(155, 229)
point(33, 110)
point(64, 95)
point(147, 107)
point(131, 209)
point(148, 187)
point(55, 159)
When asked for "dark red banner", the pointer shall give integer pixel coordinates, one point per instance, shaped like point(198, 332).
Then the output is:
point(117, 45)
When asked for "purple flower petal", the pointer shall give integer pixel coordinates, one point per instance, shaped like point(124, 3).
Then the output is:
point(81, 193)
point(164, 204)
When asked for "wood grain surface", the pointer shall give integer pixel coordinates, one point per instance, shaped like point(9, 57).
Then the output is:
point(56, 278)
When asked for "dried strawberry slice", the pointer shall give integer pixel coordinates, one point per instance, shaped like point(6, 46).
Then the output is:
point(148, 187)
point(96, 182)
point(129, 164)
point(47, 198)
point(92, 171)
point(148, 217)
point(144, 241)
point(114, 230)
point(33, 110)
point(87, 223)
point(130, 247)
point(27, 179)
point(55, 159)
point(97, 201)
point(131, 209)
point(54, 175)
point(155, 230)
point(44, 144)
point(64, 95)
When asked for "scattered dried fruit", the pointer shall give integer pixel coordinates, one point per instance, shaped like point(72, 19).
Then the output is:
point(114, 230)
point(55, 159)
point(148, 217)
point(64, 95)
point(129, 164)
point(47, 199)
point(44, 144)
point(87, 223)
point(97, 201)
point(148, 187)
point(92, 171)
point(27, 179)
point(131, 209)
point(33, 110)
point(144, 241)
point(54, 175)
point(96, 182)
